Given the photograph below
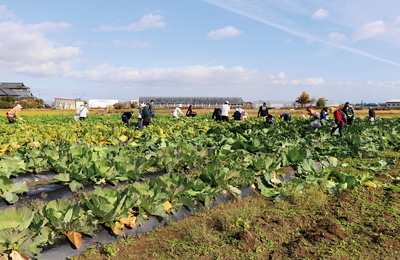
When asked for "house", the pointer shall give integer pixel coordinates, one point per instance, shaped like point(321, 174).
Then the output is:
point(15, 89)
point(393, 103)
point(63, 103)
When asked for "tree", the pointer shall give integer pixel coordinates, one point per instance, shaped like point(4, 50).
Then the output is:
point(8, 99)
point(321, 102)
point(303, 99)
point(118, 106)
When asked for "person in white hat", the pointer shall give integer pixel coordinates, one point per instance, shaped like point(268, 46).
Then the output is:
point(14, 112)
point(140, 122)
point(176, 111)
point(225, 111)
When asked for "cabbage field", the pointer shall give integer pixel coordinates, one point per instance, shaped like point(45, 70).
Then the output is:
point(61, 179)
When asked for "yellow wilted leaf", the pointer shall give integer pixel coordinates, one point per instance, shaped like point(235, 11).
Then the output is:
point(75, 238)
point(370, 184)
point(4, 257)
point(117, 228)
point(335, 159)
point(15, 255)
point(129, 221)
point(123, 138)
point(167, 206)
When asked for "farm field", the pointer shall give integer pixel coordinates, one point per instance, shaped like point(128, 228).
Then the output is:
point(317, 195)
point(362, 113)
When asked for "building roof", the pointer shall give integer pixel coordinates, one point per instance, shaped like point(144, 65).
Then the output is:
point(16, 89)
point(192, 100)
point(393, 101)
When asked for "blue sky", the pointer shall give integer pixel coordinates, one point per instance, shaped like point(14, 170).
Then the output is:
point(256, 49)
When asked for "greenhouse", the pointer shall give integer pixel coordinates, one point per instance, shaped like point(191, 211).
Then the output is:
point(204, 102)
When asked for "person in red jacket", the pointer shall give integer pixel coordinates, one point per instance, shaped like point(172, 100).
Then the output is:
point(339, 122)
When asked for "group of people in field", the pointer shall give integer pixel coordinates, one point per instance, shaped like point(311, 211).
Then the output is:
point(341, 116)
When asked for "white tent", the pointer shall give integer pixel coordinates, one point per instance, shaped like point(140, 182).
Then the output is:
point(101, 103)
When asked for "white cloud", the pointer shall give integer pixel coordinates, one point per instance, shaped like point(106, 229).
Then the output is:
point(337, 38)
point(148, 21)
point(6, 14)
point(25, 49)
point(370, 30)
point(256, 12)
point(320, 14)
point(226, 32)
point(197, 76)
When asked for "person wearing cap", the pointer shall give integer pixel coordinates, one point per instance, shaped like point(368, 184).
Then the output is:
point(263, 110)
point(152, 108)
point(126, 117)
point(237, 115)
point(145, 115)
point(176, 111)
point(140, 122)
point(225, 111)
point(286, 117)
point(14, 112)
point(82, 112)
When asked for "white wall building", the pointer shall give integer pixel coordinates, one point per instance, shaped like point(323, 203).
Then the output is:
point(393, 103)
point(102, 103)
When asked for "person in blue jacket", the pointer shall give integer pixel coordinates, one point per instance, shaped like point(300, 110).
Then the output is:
point(324, 115)
point(237, 115)
point(286, 117)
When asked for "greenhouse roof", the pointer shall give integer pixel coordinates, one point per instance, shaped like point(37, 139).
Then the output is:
point(192, 100)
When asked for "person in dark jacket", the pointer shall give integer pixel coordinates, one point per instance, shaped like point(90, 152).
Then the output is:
point(237, 115)
point(152, 109)
point(270, 119)
point(217, 114)
point(189, 112)
point(140, 122)
point(345, 111)
point(371, 114)
point(145, 115)
point(126, 117)
point(286, 117)
point(263, 110)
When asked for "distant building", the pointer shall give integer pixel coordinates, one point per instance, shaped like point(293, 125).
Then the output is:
point(203, 102)
point(393, 103)
point(15, 89)
point(63, 103)
point(102, 103)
